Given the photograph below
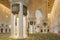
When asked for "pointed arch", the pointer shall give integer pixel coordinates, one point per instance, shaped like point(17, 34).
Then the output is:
point(38, 14)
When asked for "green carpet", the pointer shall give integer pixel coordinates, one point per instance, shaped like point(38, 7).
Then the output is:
point(37, 36)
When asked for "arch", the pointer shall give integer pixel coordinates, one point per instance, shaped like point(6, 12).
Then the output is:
point(1, 30)
point(6, 30)
point(38, 14)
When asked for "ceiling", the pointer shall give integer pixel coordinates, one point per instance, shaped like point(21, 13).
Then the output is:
point(50, 5)
point(7, 4)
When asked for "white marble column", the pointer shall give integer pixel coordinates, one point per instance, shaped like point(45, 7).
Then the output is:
point(15, 28)
point(25, 26)
point(31, 29)
point(22, 23)
point(18, 27)
point(19, 31)
point(43, 29)
point(46, 29)
point(12, 25)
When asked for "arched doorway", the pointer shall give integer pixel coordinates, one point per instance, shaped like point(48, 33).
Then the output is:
point(6, 30)
point(1, 30)
point(38, 15)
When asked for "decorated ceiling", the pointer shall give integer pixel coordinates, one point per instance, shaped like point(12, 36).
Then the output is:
point(7, 4)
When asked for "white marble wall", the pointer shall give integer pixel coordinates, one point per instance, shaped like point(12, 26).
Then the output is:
point(55, 17)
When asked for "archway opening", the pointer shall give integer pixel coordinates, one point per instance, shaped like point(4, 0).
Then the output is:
point(1, 30)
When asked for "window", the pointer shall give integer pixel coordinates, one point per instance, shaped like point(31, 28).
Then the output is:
point(48, 30)
point(6, 25)
point(44, 29)
point(41, 30)
point(45, 24)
